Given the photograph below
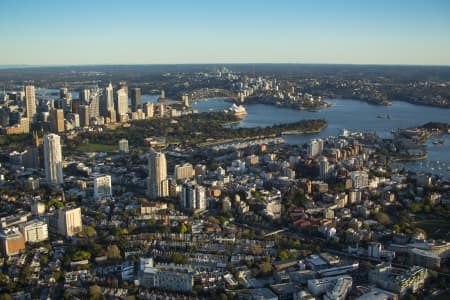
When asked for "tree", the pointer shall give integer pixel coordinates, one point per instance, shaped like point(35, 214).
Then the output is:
point(113, 252)
point(94, 291)
point(383, 218)
point(178, 258)
point(265, 268)
point(89, 231)
point(223, 296)
point(5, 296)
point(183, 228)
point(256, 249)
point(283, 255)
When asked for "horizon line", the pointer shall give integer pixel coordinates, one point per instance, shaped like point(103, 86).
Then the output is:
point(218, 63)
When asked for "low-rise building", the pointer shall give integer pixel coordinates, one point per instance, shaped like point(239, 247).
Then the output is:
point(12, 241)
point(398, 280)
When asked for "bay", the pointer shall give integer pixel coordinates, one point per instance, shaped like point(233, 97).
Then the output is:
point(353, 115)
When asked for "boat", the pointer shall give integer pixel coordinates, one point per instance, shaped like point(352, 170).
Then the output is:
point(386, 116)
point(438, 141)
point(238, 110)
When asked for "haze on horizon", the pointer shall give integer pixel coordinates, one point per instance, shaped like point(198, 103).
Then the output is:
point(171, 32)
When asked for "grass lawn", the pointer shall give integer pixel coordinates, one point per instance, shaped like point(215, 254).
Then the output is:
point(98, 148)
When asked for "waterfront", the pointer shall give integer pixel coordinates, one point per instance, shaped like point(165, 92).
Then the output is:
point(353, 115)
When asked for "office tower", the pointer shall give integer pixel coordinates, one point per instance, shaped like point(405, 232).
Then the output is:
point(184, 171)
point(324, 168)
point(64, 93)
point(185, 100)
point(30, 98)
point(123, 85)
point(57, 120)
point(123, 146)
point(107, 101)
point(157, 175)
point(4, 116)
point(102, 187)
point(76, 103)
point(84, 96)
point(121, 103)
point(163, 94)
point(25, 124)
point(135, 99)
point(161, 110)
point(53, 159)
point(193, 196)
point(65, 98)
point(148, 110)
point(315, 148)
point(93, 103)
point(84, 116)
point(69, 220)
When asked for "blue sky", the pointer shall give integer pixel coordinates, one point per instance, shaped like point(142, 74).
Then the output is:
point(245, 31)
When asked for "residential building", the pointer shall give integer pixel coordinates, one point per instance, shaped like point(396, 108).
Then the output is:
point(123, 146)
point(102, 186)
point(324, 168)
point(30, 98)
point(360, 179)
point(69, 220)
point(315, 148)
point(184, 171)
point(398, 280)
point(35, 231)
point(157, 175)
point(193, 196)
point(53, 159)
point(176, 278)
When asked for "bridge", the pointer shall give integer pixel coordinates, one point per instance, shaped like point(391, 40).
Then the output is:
point(208, 93)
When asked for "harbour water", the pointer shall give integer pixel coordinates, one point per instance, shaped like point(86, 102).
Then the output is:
point(356, 116)
point(344, 113)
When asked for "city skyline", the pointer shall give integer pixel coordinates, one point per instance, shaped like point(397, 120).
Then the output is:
point(177, 32)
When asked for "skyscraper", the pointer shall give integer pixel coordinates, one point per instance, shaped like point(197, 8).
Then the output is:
point(94, 110)
point(30, 98)
point(84, 96)
point(135, 99)
point(157, 175)
point(84, 116)
point(107, 103)
point(149, 110)
point(121, 102)
point(324, 168)
point(315, 148)
point(53, 159)
point(57, 120)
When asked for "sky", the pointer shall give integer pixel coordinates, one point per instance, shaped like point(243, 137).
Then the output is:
point(60, 32)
